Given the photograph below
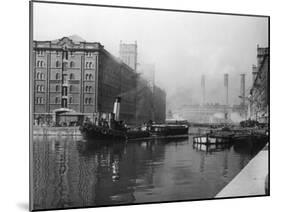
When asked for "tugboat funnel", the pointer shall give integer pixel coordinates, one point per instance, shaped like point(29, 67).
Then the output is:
point(116, 108)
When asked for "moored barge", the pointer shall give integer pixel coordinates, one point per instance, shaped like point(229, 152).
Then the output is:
point(115, 130)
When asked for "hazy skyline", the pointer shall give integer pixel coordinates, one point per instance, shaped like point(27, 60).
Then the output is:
point(182, 46)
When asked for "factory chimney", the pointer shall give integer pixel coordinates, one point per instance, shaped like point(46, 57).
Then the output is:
point(226, 88)
point(203, 90)
point(116, 108)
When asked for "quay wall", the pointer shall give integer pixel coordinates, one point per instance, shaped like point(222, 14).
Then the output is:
point(56, 131)
point(251, 180)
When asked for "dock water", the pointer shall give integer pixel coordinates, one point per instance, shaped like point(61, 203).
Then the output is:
point(251, 181)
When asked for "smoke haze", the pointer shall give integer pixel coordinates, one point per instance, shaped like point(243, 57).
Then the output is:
point(182, 46)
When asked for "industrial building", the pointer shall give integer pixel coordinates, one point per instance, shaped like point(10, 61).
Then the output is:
point(150, 99)
point(259, 93)
point(74, 79)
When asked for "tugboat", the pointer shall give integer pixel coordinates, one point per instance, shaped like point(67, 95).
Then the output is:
point(114, 129)
point(105, 129)
point(111, 129)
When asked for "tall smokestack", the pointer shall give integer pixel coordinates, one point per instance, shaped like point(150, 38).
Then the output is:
point(226, 88)
point(242, 89)
point(116, 108)
point(254, 73)
point(203, 90)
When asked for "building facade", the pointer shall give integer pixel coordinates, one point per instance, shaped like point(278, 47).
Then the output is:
point(150, 99)
point(81, 78)
point(208, 113)
point(259, 93)
point(74, 79)
point(128, 54)
point(159, 105)
point(147, 71)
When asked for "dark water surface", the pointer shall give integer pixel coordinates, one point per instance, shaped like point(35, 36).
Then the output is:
point(68, 172)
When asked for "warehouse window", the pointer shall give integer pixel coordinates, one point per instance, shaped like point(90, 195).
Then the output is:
point(70, 100)
point(41, 76)
point(87, 76)
point(41, 53)
point(71, 76)
point(72, 64)
point(57, 100)
point(57, 76)
point(64, 91)
point(70, 88)
point(64, 103)
point(88, 54)
point(40, 100)
point(88, 101)
point(57, 64)
point(90, 76)
point(57, 88)
point(38, 75)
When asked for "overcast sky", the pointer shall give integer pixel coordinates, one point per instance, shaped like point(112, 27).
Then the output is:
point(183, 46)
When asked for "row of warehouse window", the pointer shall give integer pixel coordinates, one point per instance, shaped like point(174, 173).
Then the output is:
point(42, 53)
point(88, 89)
point(41, 88)
point(40, 100)
point(57, 100)
point(70, 100)
point(71, 76)
point(40, 76)
point(88, 101)
point(89, 77)
point(89, 65)
point(41, 63)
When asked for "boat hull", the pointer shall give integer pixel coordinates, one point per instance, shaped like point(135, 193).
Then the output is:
point(210, 140)
point(101, 133)
point(169, 130)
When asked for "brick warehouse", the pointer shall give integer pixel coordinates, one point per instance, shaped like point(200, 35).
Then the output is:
point(259, 93)
point(80, 79)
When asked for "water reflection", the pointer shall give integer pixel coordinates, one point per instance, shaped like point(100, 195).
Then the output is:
point(75, 173)
point(209, 149)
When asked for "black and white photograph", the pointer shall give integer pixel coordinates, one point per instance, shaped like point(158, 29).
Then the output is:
point(132, 105)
